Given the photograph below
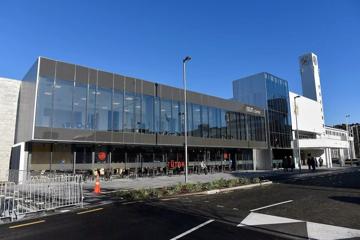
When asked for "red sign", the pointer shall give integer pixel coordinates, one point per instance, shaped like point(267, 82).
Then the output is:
point(102, 156)
point(176, 164)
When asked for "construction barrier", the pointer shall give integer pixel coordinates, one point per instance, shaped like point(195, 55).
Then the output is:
point(40, 193)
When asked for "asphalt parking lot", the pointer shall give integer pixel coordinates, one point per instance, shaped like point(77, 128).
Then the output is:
point(316, 207)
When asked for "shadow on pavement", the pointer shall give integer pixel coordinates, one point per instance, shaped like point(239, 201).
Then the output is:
point(348, 179)
point(355, 200)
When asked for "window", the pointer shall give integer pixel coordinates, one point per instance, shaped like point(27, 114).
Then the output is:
point(44, 102)
point(79, 106)
point(118, 107)
point(196, 120)
point(147, 114)
point(63, 97)
point(165, 117)
point(223, 123)
point(213, 123)
point(103, 109)
point(176, 117)
point(129, 113)
point(205, 121)
point(90, 109)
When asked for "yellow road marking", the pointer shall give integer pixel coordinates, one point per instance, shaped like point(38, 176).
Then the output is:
point(89, 211)
point(26, 224)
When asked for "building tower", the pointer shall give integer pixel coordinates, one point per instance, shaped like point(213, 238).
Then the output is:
point(310, 78)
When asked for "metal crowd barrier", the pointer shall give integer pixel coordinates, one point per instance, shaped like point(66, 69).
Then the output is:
point(39, 193)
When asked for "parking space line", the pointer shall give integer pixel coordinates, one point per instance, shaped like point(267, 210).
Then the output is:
point(89, 211)
point(26, 224)
point(272, 205)
point(193, 229)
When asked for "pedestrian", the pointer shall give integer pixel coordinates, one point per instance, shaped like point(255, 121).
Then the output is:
point(313, 163)
point(309, 161)
point(292, 163)
point(203, 166)
point(321, 161)
point(285, 163)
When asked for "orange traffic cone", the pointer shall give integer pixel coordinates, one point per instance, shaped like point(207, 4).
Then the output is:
point(97, 186)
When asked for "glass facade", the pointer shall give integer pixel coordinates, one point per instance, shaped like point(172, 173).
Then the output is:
point(278, 112)
point(87, 105)
point(267, 91)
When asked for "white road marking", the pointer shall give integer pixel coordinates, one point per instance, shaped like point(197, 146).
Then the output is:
point(272, 205)
point(314, 230)
point(323, 231)
point(220, 206)
point(193, 229)
point(168, 199)
point(235, 209)
point(254, 219)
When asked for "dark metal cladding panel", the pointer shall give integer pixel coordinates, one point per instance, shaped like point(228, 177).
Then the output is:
point(65, 71)
point(105, 80)
point(193, 97)
point(138, 86)
point(146, 139)
point(178, 95)
point(117, 137)
point(42, 133)
point(165, 92)
point(254, 144)
point(47, 67)
point(119, 82)
point(92, 77)
point(129, 84)
point(81, 75)
point(72, 134)
point(170, 140)
point(101, 136)
point(148, 88)
point(128, 138)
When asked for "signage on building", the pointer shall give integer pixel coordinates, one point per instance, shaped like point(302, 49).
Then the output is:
point(252, 110)
point(102, 156)
point(176, 164)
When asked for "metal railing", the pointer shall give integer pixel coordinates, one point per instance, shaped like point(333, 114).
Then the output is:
point(39, 193)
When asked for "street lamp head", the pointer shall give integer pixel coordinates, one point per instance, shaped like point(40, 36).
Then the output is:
point(297, 97)
point(186, 59)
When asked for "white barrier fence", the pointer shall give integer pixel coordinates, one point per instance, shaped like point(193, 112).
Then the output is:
point(39, 193)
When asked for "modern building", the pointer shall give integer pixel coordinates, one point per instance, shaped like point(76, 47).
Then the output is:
point(271, 93)
point(354, 131)
point(74, 118)
point(356, 134)
point(9, 94)
point(307, 117)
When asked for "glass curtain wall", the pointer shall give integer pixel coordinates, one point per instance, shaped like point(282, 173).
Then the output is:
point(71, 104)
point(278, 112)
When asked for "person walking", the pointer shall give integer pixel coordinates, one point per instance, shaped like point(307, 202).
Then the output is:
point(203, 166)
point(321, 161)
point(291, 163)
point(309, 161)
point(313, 163)
point(285, 164)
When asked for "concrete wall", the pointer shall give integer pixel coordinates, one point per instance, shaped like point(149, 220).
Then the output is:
point(9, 93)
point(309, 115)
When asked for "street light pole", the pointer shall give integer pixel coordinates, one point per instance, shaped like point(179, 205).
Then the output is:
point(297, 134)
point(347, 136)
point(185, 60)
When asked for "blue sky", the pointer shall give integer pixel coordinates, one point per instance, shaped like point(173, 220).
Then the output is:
point(226, 39)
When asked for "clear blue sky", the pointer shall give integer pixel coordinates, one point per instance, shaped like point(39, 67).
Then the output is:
point(227, 40)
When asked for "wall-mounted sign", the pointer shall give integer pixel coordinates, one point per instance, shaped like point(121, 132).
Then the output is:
point(252, 110)
point(102, 156)
point(175, 164)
